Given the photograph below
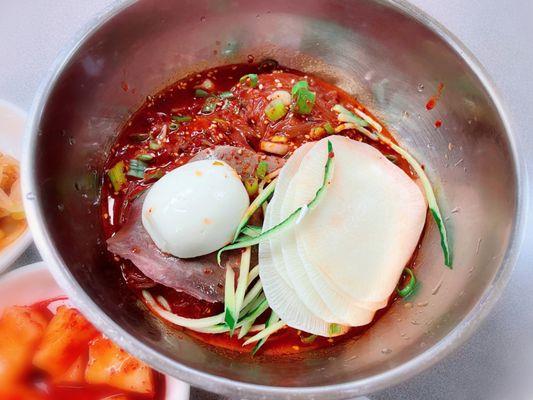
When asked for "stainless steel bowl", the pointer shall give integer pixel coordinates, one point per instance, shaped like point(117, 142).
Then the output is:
point(390, 56)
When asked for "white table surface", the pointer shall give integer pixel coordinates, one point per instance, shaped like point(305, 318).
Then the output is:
point(497, 363)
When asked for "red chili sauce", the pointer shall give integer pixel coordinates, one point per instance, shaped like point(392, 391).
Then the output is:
point(238, 121)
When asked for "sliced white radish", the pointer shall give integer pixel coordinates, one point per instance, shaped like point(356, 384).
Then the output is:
point(344, 307)
point(295, 269)
point(366, 227)
point(272, 269)
point(272, 216)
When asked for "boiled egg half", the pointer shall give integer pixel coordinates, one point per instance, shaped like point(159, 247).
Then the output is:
point(195, 209)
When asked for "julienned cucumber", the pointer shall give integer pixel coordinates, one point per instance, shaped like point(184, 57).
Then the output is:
point(265, 332)
point(347, 115)
point(251, 231)
point(292, 219)
point(229, 299)
point(249, 319)
point(272, 319)
point(260, 199)
point(242, 285)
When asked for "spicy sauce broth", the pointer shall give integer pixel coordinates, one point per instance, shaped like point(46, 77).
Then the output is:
point(239, 122)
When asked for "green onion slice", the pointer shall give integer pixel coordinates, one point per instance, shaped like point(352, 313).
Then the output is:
point(299, 86)
point(292, 219)
point(201, 93)
point(250, 80)
point(410, 287)
point(329, 128)
point(154, 145)
point(145, 157)
point(334, 329)
point(117, 176)
point(309, 339)
point(181, 118)
point(137, 168)
point(275, 110)
point(303, 99)
point(261, 170)
point(426, 184)
point(210, 105)
point(251, 185)
point(225, 95)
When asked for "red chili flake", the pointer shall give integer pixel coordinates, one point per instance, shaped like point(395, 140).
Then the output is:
point(438, 123)
point(430, 105)
point(124, 86)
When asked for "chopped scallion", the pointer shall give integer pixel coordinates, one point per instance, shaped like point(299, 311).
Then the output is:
point(207, 84)
point(261, 170)
point(145, 157)
point(303, 99)
point(250, 80)
point(137, 168)
point(173, 126)
point(334, 329)
point(317, 132)
point(154, 145)
point(329, 128)
point(201, 93)
point(275, 110)
point(117, 176)
point(308, 339)
point(210, 105)
point(410, 287)
point(181, 118)
point(299, 86)
point(251, 185)
point(225, 95)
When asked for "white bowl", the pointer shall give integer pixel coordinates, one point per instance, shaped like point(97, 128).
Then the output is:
point(33, 283)
point(12, 123)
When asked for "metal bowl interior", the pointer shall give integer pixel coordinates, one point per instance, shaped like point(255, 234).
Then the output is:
point(388, 55)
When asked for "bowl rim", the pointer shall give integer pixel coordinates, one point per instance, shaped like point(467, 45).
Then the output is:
point(463, 331)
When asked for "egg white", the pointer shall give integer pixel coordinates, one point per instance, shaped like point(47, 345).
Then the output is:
point(195, 209)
